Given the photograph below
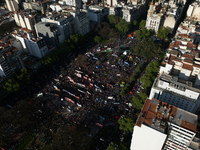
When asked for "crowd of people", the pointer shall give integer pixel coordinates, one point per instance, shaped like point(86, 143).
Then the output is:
point(90, 94)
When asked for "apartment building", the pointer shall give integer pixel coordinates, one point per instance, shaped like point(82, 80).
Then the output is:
point(50, 32)
point(36, 5)
point(74, 3)
point(12, 5)
point(81, 21)
point(25, 20)
point(128, 13)
point(9, 59)
point(31, 45)
point(97, 13)
point(111, 2)
point(62, 24)
point(161, 126)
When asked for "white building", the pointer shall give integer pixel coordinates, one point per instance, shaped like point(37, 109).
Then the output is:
point(62, 24)
point(194, 10)
point(111, 2)
point(127, 13)
point(153, 20)
point(74, 3)
point(25, 20)
point(56, 7)
point(34, 46)
point(161, 126)
point(12, 5)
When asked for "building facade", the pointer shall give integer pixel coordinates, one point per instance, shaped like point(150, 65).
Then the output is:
point(12, 5)
point(10, 60)
point(49, 32)
point(25, 20)
point(74, 3)
point(61, 23)
point(34, 46)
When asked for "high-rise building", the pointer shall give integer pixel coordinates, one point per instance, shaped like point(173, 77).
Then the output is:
point(25, 20)
point(161, 126)
point(50, 32)
point(61, 23)
point(81, 21)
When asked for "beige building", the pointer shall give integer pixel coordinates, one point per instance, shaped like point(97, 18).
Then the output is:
point(25, 20)
point(12, 5)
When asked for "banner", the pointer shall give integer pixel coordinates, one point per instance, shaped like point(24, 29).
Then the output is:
point(69, 100)
point(78, 75)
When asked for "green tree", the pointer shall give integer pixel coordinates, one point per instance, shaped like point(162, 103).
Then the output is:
point(122, 26)
point(111, 18)
point(135, 23)
point(125, 90)
point(163, 32)
point(143, 33)
point(147, 49)
point(12, 85)
point(97, 39)
point(138, 101)
point(138, 68)
point(76, 38)
point(150, 74)
point(25, 76)
point(142, 24)
point(116, 146)
point(153, 68)
point(126, 124)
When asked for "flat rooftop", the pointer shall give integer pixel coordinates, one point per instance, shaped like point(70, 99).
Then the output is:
point(156, 114)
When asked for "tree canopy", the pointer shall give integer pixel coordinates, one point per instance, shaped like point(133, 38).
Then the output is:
point(138, 68)
point(126, 124)
point(111, 29)
point(163, 32)
point(116, 146)
point(125, 90)
point(147, 49)
point(135, 23)
point(142, 24)
point(138, 101)
point(150, 74)
point(143, 33)
point(122, 26)
point(18, 80)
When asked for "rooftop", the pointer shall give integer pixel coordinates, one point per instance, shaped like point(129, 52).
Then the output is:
point(156, 114)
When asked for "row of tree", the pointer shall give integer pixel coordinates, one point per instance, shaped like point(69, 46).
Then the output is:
point(138, 101)
point(150, 74)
